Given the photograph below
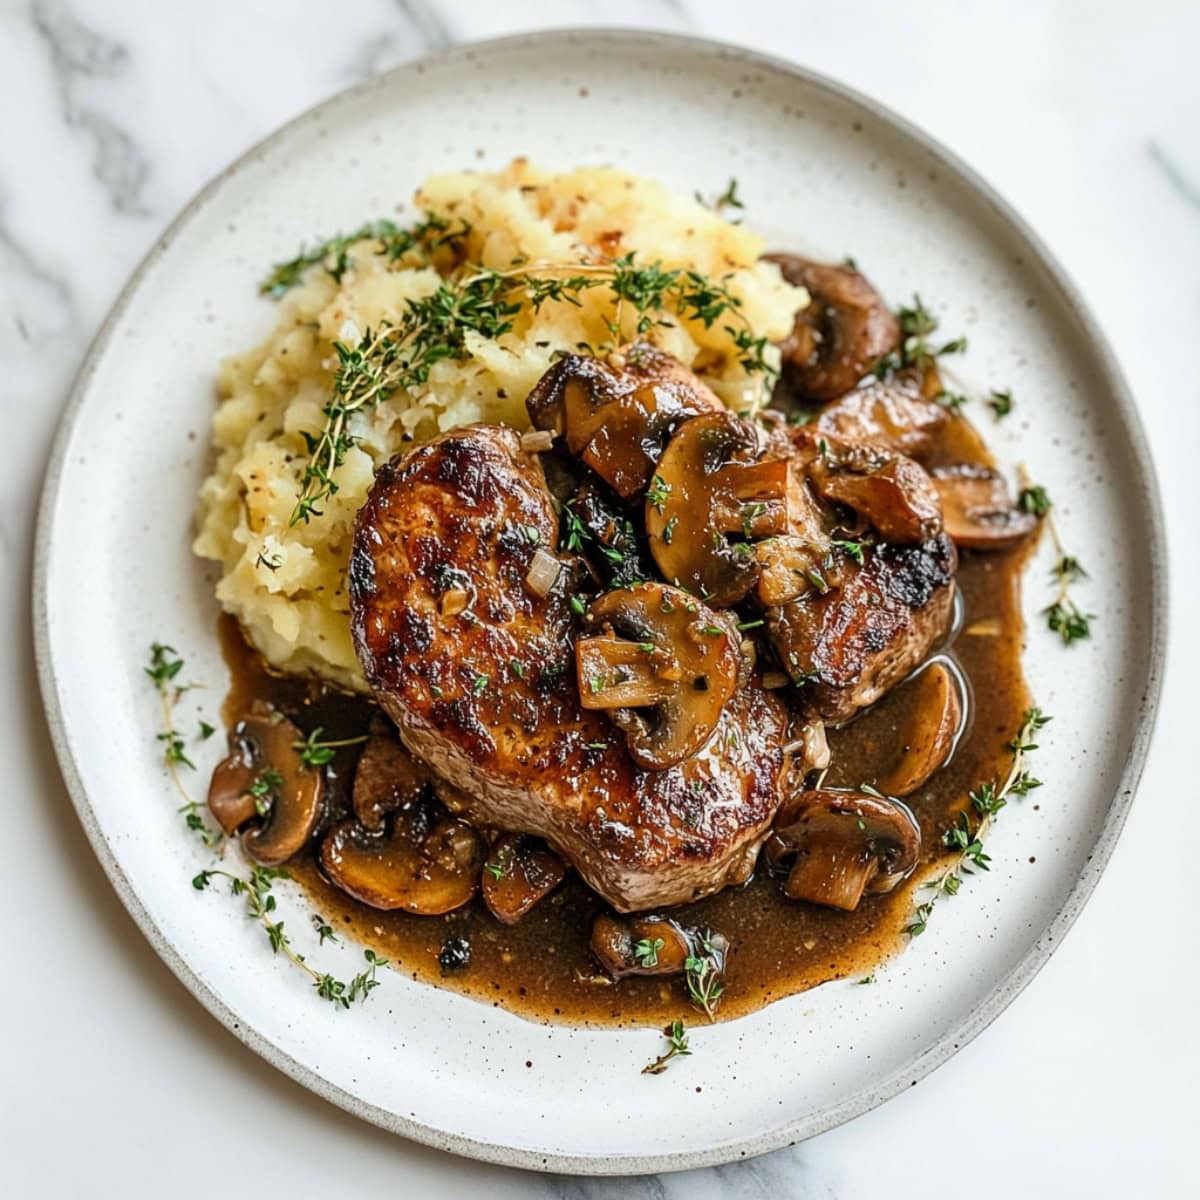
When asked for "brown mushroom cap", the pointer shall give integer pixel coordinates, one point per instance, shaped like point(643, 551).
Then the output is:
point(264, 776)
point(931, 713)
point(712, 483)
point(842, 844)
point(840, 336)
point(890, 413)
point(640, 945)
point(386, 778)
point(888, 489)
point(662, 665)
point(617, 418)
point(428, 864)
point(978, 512)
point(518, 873)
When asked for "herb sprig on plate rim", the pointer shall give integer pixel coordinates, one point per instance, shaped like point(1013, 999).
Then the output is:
point(986, 800)
point(163, 669)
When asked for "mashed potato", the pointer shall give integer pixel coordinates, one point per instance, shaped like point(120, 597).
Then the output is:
point(286, 583)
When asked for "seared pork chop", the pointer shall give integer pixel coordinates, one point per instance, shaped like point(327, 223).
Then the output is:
point(847, 646)
point(486, 694)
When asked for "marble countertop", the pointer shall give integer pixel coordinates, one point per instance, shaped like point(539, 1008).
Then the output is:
point(115, 112)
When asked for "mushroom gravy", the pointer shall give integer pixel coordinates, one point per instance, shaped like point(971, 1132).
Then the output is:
point(542, 968)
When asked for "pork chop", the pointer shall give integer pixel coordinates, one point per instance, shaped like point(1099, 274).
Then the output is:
point(486, 693)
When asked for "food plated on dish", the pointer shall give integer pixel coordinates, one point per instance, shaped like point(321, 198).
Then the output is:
point(623, 617)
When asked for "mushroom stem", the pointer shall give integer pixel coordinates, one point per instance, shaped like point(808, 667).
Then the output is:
point(837, 879)
point(616, 673)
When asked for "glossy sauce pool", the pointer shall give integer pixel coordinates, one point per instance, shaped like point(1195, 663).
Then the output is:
point(541, 967)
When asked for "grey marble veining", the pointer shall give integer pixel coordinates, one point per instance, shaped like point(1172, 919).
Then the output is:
point(1180, 183)
point(79, 56)
point(36, 303)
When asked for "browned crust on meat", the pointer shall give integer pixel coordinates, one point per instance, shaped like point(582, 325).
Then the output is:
point(464, 512)
point(849, 646)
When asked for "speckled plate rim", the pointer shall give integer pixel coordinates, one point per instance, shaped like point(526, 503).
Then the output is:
point(1043, 945)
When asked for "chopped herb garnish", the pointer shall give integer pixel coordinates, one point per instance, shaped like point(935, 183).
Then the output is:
point(315, 752)
point(1001, 403)
point(261, 906)
point(658, 493)
point(851, 547)
point(645, 951)
point(1034, 499)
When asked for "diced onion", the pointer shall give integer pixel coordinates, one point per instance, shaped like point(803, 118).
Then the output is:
point(543, 571)
point(774, 679)
point(537, 441)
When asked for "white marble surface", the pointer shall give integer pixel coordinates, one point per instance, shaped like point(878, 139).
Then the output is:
point(113, 112)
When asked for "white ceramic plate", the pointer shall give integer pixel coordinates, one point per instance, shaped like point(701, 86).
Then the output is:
point(824, 170)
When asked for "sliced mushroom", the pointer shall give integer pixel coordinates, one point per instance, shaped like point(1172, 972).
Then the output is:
point(888, 489)
point(890, 413)
point(713, 497)
point(640, 945)
point(618, 418)
point(977, 509)
point(387, 778)
point(840, 336)
point(264, 776)
point(842, 844)
point(662, 665)
point(427, 864)
point(931, 718)
point(518, 873)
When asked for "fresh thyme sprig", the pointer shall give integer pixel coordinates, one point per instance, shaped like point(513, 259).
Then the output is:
point(261, 907)
point(163, 670)
point(677, 1046)
point(917, 324)
point(1063, 615)
point(967, 834)
point(704, 973)
point(334, 253)
point(398, 356)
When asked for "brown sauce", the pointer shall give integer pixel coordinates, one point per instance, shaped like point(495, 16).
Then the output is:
point(541, 967)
